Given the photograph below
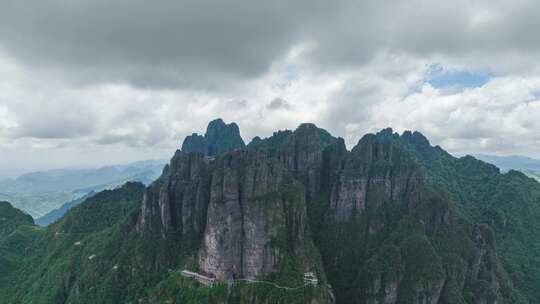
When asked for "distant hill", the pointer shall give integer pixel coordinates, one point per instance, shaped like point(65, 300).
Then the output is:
point(58, 213)
point(40, 192)
point(527, 165)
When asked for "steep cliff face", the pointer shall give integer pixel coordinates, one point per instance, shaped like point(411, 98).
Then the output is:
point(484, 268)
point(195, 143)
point(223, 137)
point(242, 213)
point(306, 153)
point(256, 219)
point(176, 203)
point(377, 171)
point(380, 198)
point(360, 200)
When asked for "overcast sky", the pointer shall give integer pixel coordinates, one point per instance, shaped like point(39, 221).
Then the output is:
point(94, 82)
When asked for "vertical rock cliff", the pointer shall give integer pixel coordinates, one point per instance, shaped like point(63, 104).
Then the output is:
point(223, 137)
point(176, 204)
point(195, 143)
point(377, 171)
point(242, 212)
point(257, 219)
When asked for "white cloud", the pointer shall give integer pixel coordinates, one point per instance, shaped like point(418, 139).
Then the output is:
point(499, 117)
point(351, 67)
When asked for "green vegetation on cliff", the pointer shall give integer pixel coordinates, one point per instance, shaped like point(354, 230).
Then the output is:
point(509, 203)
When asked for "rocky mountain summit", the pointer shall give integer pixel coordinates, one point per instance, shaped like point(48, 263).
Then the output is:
point(295, 218)
point(219, 137)
point(366, 213)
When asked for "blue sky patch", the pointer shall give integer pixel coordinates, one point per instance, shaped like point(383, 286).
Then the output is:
point(439, 77)
point(450, 81)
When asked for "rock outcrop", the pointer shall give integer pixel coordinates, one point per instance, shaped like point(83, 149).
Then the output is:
point(305, 153)
point(242, 211)
point(256, 218)
point(376, 172)
point(219, 137)
point(177, 202)
point(484, 268)
point(223, 137)
point(195, 143)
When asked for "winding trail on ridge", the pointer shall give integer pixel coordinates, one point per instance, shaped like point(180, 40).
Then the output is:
point(273, 284)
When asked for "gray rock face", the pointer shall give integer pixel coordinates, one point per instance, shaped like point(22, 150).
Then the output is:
point(195, 143)
point(483, 273)
point(312, 155)
point(375, 172)
point(243, 214)
point(223, 137)
point(220, 137)
point(177, 202)
point(256, 217)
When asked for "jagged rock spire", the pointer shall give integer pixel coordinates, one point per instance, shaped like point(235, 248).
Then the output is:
point(219, 137)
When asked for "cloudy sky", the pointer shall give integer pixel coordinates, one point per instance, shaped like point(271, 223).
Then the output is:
point(87, 83)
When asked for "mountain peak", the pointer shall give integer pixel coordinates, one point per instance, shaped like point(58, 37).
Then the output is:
point(223, 137)
point(415, 138)
point(310, 129)
point(195, 143)
point(307, 126)
point(217, 125)
point(386, 132)
point(217, 121)
point(219, 137)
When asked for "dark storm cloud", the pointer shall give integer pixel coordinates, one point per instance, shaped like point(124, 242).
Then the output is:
point(53, 129)
point(158, 43)
point(211, 44)
point(467, 27)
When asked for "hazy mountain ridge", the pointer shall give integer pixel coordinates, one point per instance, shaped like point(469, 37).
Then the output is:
point(394, 220)
point(527, 165)
point(41, 192)
point(58, 213)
